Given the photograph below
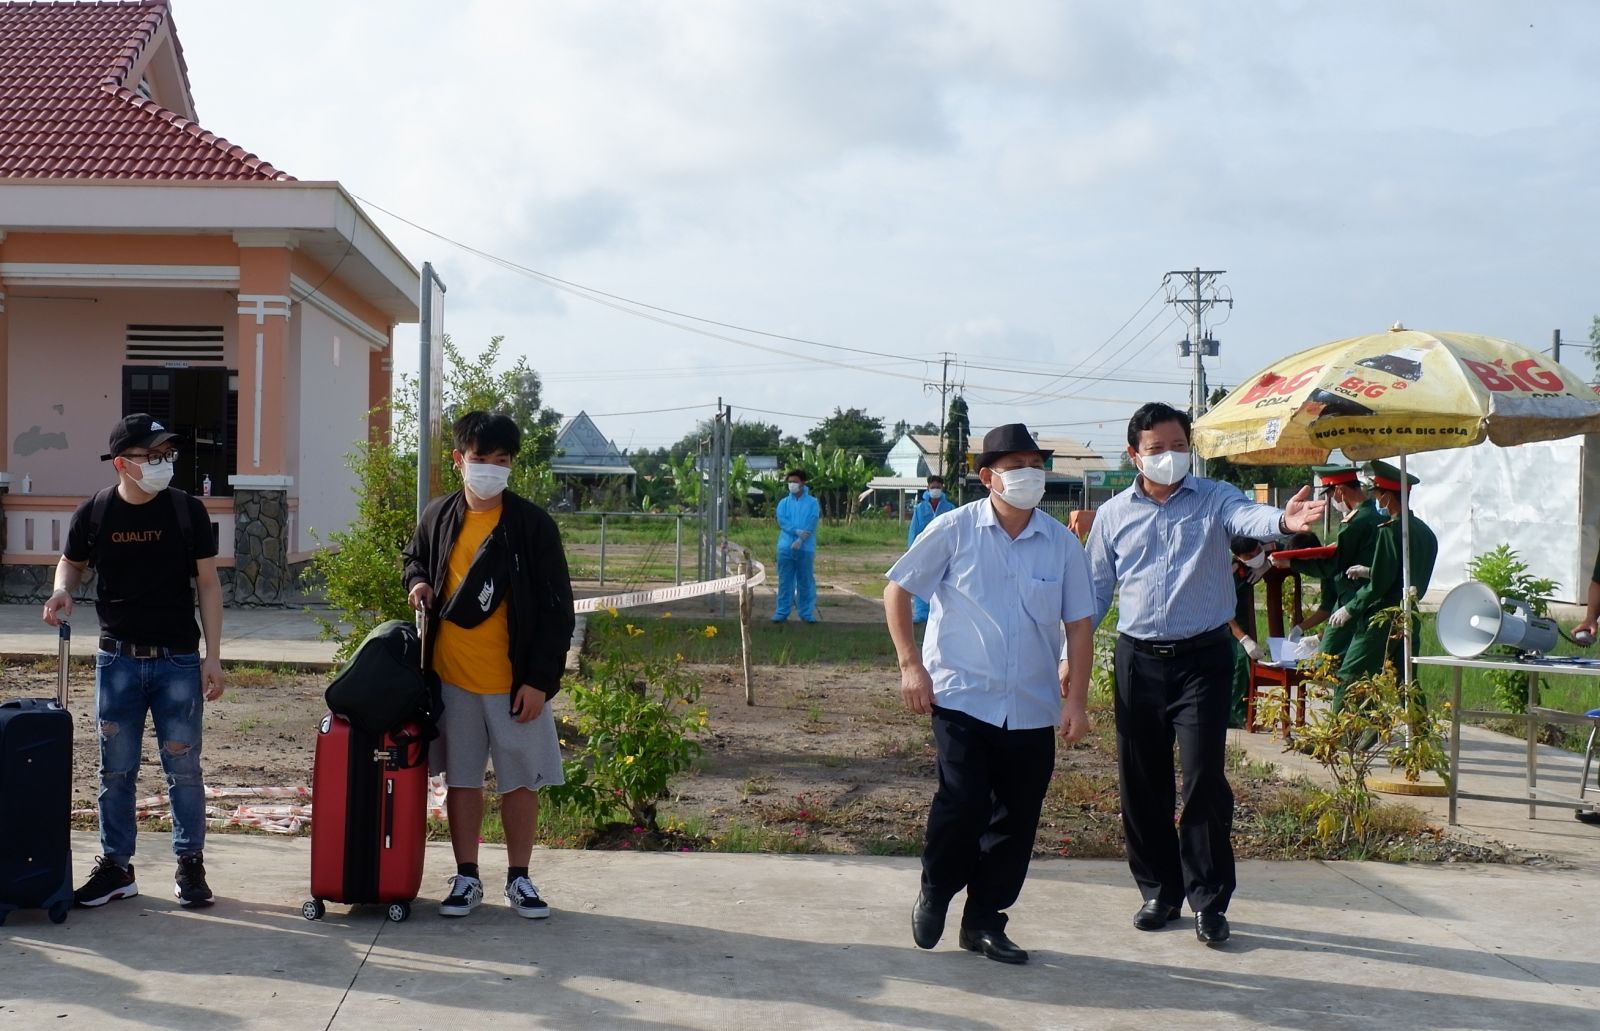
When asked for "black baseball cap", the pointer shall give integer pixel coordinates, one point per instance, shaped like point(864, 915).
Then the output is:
point(136, 431)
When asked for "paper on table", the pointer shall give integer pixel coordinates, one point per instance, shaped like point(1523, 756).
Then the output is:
point(1287, 653)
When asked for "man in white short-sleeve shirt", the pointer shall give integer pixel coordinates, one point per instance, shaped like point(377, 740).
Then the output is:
point(1002, 579)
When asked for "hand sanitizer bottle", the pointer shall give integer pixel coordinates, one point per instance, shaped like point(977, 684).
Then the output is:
point(205, 486)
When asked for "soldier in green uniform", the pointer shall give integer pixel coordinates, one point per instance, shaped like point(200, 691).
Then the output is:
point(1358, 537)
point(1249, 566)
point(1369, 644)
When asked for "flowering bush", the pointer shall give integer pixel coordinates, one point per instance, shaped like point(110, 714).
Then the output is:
point(637, 718)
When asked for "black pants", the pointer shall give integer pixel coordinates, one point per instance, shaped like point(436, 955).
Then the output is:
point(984, 816)
point(1182, 698)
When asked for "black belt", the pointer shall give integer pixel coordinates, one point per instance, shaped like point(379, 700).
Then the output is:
point(1167, 649)
point(134, 651)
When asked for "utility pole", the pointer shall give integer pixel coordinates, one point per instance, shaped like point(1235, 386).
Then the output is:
point(1555, 345)
point(944, 415)
point(430, 383)
point(1201, 297)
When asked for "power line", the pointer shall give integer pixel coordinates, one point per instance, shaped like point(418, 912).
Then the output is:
point(582, 290)
point(630, 307)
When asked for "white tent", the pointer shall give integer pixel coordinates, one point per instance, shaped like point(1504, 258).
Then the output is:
point(1542, 499)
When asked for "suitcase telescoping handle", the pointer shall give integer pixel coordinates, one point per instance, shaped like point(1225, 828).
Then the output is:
point(65, 648)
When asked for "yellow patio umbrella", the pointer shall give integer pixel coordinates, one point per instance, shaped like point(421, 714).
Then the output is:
point(1396, 394)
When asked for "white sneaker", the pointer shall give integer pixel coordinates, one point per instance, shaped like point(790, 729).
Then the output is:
point(465, 894)
point(524, 898)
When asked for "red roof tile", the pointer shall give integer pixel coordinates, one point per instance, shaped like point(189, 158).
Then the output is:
point(67, 110)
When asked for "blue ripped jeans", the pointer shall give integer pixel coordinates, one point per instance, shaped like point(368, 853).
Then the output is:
point(168, 689)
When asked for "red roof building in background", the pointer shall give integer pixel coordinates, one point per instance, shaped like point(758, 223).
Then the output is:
point(149, 265)
point(101, 91)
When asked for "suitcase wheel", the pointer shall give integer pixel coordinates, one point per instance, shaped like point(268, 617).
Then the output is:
point(59, 911)
point(399, 911)
point(313, 910)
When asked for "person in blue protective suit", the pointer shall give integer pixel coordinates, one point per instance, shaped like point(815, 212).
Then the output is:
point(798, 515)
point(932, 505)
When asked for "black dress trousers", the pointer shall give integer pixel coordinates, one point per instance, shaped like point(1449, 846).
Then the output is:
point(985, 813)
point(1180, 697)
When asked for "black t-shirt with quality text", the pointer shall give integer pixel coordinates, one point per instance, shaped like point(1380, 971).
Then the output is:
point(144, 568)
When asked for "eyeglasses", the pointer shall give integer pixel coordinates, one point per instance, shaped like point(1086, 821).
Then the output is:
point(164, 457)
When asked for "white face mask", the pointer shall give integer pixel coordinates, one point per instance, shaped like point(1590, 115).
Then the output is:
point(485, 480)
point(1166, 468)
point(794, 487)
point(153, 479)
point(1021, 488)
point(934, 493)
point(1257, 561)
point(1339, 506)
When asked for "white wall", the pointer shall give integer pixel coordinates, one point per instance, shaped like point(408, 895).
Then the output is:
point(1542, 499)
point(65, 365)
point(331, 420)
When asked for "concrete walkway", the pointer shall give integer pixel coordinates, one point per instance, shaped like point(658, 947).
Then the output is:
point(725, 941)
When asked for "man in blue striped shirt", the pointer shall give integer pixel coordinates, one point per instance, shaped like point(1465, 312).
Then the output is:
point(1165, 541)
point(1004, 579)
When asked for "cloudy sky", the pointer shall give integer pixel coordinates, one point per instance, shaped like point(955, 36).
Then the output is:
point(1006, 181)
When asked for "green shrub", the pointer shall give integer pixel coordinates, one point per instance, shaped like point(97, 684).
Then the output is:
point(1507, 575)
point(636, 719)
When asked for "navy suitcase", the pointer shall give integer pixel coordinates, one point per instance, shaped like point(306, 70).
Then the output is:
point(36, 800)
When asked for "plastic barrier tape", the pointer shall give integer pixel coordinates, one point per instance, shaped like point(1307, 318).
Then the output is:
point(726, 585)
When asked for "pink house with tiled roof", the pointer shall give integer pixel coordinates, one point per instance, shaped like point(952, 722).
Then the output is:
point(147, 264)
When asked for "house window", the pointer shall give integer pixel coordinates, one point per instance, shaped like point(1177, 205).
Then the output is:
point(202, 407)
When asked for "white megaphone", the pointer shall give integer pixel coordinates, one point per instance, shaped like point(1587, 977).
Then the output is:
point(1472, 620)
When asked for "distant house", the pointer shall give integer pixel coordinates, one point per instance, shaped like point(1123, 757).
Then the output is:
point(915, 456)
point(588, 464)
point(147, 264)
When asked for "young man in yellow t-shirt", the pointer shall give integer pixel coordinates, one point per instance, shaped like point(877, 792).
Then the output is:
point(489, 564)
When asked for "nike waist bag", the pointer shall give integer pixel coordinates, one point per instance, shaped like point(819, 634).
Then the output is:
point(383, 685)
point(485, 584)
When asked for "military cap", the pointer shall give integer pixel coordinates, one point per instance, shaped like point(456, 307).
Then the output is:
point(1387, 477)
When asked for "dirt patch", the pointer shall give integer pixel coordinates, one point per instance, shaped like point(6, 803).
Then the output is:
point(261, 733)
point(826, 761)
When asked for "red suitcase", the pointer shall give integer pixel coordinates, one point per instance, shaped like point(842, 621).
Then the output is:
point(369, 817)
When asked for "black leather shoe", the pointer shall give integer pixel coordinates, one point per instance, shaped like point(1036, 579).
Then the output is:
point(927, 922)
point(1211, 927)
point(993, 944)
point(1155, 914)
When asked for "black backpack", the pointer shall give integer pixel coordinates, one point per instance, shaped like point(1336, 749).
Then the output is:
point(384, 684)
point(97, 517)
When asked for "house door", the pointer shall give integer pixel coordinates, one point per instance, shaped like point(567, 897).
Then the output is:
point(202, 407)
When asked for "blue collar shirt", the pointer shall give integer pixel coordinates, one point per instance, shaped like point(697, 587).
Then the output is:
point(1172, 558)
point(996, 607)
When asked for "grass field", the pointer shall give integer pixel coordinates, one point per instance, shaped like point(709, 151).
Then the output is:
point(857, 553)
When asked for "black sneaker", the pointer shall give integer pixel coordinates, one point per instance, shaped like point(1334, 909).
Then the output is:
point(190, 887)
point(465, 894)
point(524, 898)
point(108, 882)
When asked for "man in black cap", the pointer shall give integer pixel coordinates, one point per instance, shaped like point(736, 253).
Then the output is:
point(1002, 578)
point(145, 549)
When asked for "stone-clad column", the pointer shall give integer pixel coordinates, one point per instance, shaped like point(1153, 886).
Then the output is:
point(261, 540)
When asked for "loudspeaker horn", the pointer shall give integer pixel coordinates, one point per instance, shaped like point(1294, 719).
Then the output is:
point(1472, 620)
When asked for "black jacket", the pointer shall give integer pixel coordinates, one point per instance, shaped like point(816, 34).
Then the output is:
point(539, 603)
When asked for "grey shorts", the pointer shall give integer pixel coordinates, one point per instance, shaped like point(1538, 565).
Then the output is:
point(478, 728)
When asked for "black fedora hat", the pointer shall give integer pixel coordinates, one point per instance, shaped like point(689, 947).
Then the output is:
point(1009, 439)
